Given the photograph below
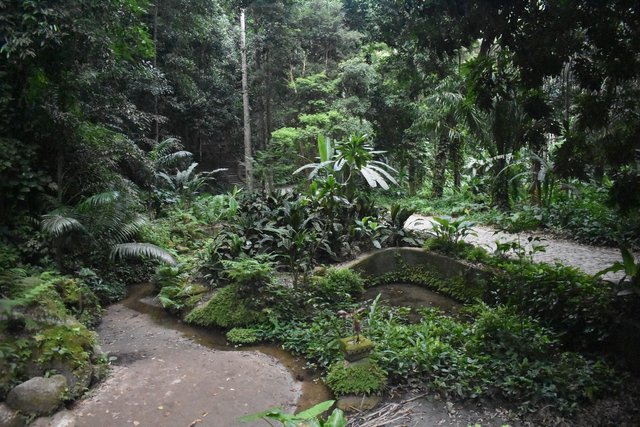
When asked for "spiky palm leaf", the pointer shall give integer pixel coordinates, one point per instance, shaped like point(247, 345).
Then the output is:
point(120, 233)
point(58, 225)
point(105, 198)
point(139, 250)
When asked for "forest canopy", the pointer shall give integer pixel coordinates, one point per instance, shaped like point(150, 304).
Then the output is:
point(513, 100)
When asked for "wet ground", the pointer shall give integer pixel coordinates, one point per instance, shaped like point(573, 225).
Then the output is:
point(413, 297)
point(169, 374)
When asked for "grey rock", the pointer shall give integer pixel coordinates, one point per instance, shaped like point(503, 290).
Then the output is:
point(10, 417)
point(61, 419)
point(38, 396)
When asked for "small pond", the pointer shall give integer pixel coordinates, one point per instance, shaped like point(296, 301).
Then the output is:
point(314, 391)
point(412, 296)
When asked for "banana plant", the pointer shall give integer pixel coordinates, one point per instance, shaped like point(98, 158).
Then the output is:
point(308, 418)
point(350, 158)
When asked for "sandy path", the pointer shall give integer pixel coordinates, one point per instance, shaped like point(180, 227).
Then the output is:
point(164, 379)
point(590, 259)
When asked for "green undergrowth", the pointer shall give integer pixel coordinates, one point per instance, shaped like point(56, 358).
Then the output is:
point(336, 287)
point(491, 352)
point(44, 326)
point(225, 309)
point(366, 378)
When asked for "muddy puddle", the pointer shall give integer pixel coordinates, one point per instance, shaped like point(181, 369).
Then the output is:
point(141, 299)
point(412, 296)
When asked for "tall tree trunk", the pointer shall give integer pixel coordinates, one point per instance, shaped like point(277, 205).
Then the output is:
point(455, 154)
point(156, 135)
point(413, 179)
point(440, 167)
point(501, 135)
point(248, 167)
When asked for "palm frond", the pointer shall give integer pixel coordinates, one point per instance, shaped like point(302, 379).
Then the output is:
point(121, 232)
point(101, 199)
point(164, 148)
point(142, 250)
point(58, 225)
point(171, 159)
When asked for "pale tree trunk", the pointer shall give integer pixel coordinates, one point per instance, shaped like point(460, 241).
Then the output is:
point(155, 66)
point(248, 166)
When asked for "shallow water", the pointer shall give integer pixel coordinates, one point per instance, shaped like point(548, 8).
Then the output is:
point(412, 296)
point(314, 391)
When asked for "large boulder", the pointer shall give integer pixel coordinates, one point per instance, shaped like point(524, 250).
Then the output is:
point(63, 418)
point(10, 417)
point(38, 396)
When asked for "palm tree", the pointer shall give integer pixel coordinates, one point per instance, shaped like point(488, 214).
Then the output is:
point(105, 223)
point(451, 118)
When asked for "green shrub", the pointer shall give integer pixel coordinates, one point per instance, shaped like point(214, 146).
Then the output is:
point(498, 353)
point(563, 298)
point(242, 336)
point(38, 326)
point(225, 309)
point(365, 378)
point(107, 291)
point(316, 339)
point(337, 285)
point(249, 273)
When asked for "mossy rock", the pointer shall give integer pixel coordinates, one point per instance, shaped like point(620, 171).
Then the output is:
point(345, 378)
point(355, 350)
point(225, 309)
point(242, 336)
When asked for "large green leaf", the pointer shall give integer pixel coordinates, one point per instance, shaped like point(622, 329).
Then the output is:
point(316, 410)
point(336, 419)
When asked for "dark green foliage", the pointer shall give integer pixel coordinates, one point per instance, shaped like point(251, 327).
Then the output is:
point(316, 339)
point(249, 274)
point(176, 293)
point(107, 291)
point(586, 217)
point(359, 379)
point(572, 303)
point(499, 353)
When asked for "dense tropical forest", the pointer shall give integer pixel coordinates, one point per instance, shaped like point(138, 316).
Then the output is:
point(128, 157)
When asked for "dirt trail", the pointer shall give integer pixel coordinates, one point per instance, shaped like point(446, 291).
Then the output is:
point(163, 379)
point(590, 259)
